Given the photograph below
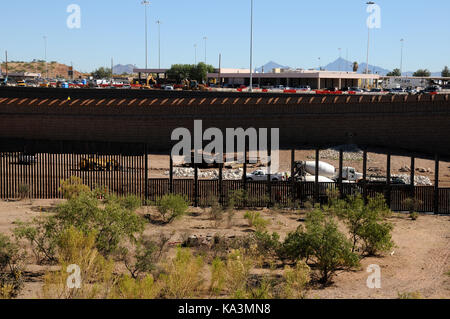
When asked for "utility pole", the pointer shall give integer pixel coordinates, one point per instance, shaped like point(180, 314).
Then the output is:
point(6, 56)
point(220, 66)
point(401, 56)
point(146, 3)
point(45, 55)
point(368, 45)
point(159, 43)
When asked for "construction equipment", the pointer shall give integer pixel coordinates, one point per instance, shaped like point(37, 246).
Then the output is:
point(305, 172)
point(193, 85)
point(98, 164)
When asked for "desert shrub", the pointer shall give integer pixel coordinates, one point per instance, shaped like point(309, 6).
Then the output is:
point(328, 247)
point(132, 288)
point(296, 246)
point(295, 281)
point(216, 212)
point(96, 273)
point(236, 198)
point(11, 267)
point(255, 220)
point(218, 276)
point(113, 218)
point(376, 237)
point(73, 187)
point(41, 234)
point(410, 295)
point(262, 289)
point(24, 191)
point(267, 244)
point(237, 270)
point(182, 276)
point(172, 206)
point(143, 260)
point(412, 205)
point(414, 216)
point(365, 222)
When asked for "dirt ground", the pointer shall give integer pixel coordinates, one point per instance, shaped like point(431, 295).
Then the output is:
point(419, 262)
point(159, 164)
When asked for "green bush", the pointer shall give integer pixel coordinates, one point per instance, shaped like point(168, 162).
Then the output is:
point(172, 206)
point(255, 220)
point(182, 276)
point(296, 246)
point(143, 260)
point(322, 241)
point(11, 267)
point(113, 219)
point(73, 187)
point(295, 281)
point(365, 222)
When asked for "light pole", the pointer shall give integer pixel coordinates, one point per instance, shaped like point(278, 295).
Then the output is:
point(368, 43)
point(320, 66)
point(45, 55)
point(340, 55)
point(195, 54)
point(251, 45)
point(146, 3)
point(159, 43)
point(401, 56)
point(205, 38)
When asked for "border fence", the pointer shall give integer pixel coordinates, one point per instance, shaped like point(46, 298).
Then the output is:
point(40, 176)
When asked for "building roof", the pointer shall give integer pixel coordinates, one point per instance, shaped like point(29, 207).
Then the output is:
point(309, 74)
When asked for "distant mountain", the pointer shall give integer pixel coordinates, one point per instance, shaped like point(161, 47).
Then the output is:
point(347, 66)
point(269, 66)
point(120, 69)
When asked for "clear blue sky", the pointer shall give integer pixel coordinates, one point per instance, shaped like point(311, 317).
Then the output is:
point(290, 32)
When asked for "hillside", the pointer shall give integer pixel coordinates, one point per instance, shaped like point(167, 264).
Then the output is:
point(55, 69)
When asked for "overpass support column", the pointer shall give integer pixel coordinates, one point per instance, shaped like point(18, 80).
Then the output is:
point(293, 197)
point(318, 83)
point(339, 84)
point(171, 175)
point(221, 202)
point(365, 175)
point(146, 173)
point(195, 185)
point(244, 176)
point(436, 184)
point(341, 164)
point(316, 182)
point(413, 175)
point(388, 180)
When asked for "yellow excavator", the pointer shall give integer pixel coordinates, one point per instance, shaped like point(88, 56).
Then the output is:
point(193, 85)
point(98, 164)
point(148, 82)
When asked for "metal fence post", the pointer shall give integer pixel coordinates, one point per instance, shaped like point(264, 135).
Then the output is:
point(436, 184)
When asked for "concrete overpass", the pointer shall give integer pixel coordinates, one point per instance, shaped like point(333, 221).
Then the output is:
point(45, 119)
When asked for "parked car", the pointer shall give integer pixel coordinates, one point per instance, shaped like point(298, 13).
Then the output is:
point(261, 175)
point(168, 88)
point(431, 89)
point(304, 88)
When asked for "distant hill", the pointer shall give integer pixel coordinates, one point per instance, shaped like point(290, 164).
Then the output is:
point(121, 69)
point(269, 66)
point(347, 66)
point(55, 69)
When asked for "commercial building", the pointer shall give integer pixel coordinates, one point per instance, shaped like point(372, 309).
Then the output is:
point(296, 78)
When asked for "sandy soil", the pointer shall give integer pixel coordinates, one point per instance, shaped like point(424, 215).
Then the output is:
point(419, 262)
point(159, 164)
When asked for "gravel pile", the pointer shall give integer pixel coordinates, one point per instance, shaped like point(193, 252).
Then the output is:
point(351, 153)
point(228, 174)
point(418, 180)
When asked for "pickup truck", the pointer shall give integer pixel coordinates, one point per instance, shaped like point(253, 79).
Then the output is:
point(261, 175)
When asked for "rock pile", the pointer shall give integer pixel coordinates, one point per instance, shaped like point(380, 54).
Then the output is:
point(351, 153)
point(418, 180)
point(228, 174)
